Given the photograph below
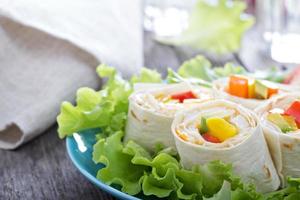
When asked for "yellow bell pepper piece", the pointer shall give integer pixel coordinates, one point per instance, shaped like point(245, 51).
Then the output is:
point(220, 128)
point(291, 121)
point(251, 88)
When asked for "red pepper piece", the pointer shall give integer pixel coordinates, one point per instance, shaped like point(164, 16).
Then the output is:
point(210, 138)
point(295, 74)
point(294, 110)
point(183, 95)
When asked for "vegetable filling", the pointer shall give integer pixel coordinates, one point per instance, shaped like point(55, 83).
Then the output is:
point(216, 130)
point(287, 120)
point(249, 88)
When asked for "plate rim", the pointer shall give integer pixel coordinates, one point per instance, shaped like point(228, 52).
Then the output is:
point(104, 187)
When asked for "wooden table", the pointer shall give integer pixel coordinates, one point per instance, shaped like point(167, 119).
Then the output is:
point(41, 168)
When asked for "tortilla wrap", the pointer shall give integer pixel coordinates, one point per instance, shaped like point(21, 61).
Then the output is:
point(284, 147)
point(247, 151)
point(149, 120)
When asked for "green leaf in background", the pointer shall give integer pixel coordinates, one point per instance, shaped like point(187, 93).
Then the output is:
point(199, 71)
point(198, 67)
point(147, 76)
point(271, 74)
point(229, 69)
point(216, 26)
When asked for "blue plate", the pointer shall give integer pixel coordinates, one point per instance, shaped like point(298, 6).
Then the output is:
point(80, 148)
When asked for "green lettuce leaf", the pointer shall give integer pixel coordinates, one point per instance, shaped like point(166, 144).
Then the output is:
point(229, 69)
point(272, 74)
point(199, 71)
point(161, 174)
point(174, 77)
point(107, 108)
point(223, 194)
point(198, 67)
point(291, 192)
point(118, 166)
point(147, 76)
point(216, 26)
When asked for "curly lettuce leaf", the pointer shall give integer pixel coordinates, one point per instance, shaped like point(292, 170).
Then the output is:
point(107, 108)
point(161, 174)
point(216, 26)
point(118, 166)
point(133, 168)
point(87, 114)
point(291, 192)
point(160, 186)
point(223, 194)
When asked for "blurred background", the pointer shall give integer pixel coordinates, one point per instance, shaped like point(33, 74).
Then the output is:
point(269, 30)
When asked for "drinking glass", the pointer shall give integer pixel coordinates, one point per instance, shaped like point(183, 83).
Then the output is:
point(279, 23)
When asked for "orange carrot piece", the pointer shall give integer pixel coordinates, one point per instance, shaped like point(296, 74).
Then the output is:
point(238, 86)
point(272, 91)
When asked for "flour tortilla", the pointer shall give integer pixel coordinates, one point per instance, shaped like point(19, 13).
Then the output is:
point(149, 121)
point(247, 151)
point(284, 147)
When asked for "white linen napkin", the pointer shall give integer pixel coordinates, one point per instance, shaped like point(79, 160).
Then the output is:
point(50, 48)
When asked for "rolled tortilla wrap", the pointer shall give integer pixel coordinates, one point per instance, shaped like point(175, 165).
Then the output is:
point(247, 151)
point(284, 147)
point(150, 115)
point(220, 86)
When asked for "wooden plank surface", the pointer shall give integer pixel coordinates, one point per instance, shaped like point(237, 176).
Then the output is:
point(41, 169)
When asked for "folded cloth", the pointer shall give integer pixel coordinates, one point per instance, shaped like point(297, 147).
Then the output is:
point(49, 49)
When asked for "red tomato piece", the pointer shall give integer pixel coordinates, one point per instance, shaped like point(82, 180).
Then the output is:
point(295, 74)
point(210, 138)
point(183, 95)
point(294, 110)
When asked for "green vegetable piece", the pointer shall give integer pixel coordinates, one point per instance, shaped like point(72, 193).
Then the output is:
point(280, 121)
point(203, 126)
point(261, 90)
